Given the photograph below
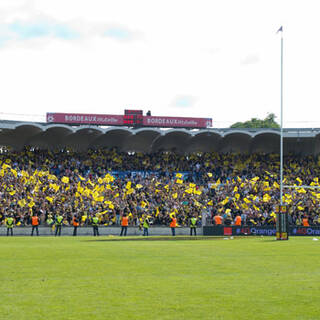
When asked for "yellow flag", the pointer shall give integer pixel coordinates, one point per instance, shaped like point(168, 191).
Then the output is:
point(139, 186)
point(52, 177)
point(50, 199)
point(14, 172)
point(299, 180)
point(273, 214)
point(252, 221)
point(225, 201)
point(175, 196)
point(5, 166)
point(12, 192)
point(266, 198)
point(209, 174)
point(54, 186)
point(189, 190)
point(79, 188)
point(179, 175)
point(210, 203)
point(22, 203)
point(143, 204)
point(31, 204)
point(108, 178)
point(100, 180)
point(128, 185)
point(131, 190)
point(179, 181)
point(65, 179)
point(24, 173)
point(276, 185)
point(246, 200)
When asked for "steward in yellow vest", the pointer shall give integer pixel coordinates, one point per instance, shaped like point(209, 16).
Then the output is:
point(9, 224)
point(95, 223)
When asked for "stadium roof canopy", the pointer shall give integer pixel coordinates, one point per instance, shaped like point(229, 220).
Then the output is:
point(80, 138)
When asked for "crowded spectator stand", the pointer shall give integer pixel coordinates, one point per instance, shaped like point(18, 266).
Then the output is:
point(108, 183)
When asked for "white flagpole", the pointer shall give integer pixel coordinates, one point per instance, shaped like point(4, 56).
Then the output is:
point(281, 122)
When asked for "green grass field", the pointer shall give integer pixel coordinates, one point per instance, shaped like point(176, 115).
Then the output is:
point(79, 278)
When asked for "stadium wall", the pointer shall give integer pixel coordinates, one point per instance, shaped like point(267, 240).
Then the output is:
point(166, 231)
point(103, 231)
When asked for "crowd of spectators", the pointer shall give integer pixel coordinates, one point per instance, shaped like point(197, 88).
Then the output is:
point(107, 183)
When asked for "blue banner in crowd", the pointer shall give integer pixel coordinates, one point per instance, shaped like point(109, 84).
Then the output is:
point(145, 174)
point(305, 231)
point(258, 231)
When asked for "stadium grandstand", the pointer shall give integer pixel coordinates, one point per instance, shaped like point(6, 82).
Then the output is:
point(84, 171)
point(17, 135)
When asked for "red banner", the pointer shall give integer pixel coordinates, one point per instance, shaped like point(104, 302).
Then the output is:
point(81, 118)
point(177, 122)
point(117, 120)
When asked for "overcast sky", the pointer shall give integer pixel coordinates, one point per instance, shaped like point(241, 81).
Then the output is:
point(217, 59)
